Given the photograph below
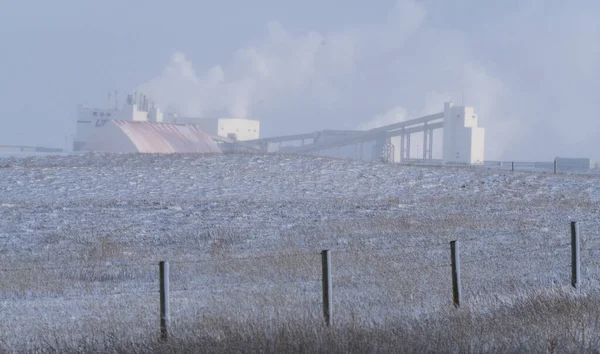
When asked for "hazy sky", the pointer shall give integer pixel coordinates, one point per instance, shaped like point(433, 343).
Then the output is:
point(531, 68)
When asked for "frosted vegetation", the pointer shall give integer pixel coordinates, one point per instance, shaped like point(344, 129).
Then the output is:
point(81, 238)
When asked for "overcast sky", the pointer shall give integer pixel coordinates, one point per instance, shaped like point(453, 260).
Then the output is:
point(531, 68)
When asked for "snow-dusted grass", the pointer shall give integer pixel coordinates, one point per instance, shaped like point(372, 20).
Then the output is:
point(81, 238)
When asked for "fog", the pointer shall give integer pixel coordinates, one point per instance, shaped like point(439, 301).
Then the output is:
point(530, 68)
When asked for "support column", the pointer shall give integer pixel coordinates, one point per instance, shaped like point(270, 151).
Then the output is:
point(402, 158)
point(425, 145)
point(431, 144)
point(408, 146)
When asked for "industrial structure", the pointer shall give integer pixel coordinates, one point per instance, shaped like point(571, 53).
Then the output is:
point(463, 140)
point(28, 149)
point(234, 128)
point(139, 126)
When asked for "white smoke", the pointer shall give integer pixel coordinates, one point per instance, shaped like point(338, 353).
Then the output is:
point(523, 75)
point(394, 115)
point(281, 64)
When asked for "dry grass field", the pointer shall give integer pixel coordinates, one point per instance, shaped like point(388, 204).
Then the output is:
point(81, 238)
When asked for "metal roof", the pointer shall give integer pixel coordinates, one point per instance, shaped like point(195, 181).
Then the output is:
point(154, 137)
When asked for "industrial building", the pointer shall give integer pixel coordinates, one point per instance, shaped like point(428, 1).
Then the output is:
point(234, 128)
point(138, 126)
point(463, 140)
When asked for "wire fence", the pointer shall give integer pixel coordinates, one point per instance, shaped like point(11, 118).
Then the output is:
point(235, 263)
point(585, 166)
point(414, 270)
point(39, 266)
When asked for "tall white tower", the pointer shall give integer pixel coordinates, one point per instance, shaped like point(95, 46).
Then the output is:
point(463, 139)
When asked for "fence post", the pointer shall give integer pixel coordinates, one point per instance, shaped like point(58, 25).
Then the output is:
point(555, 166)
point(165, 315)
point(575, 260)
point(327, 287)
point(513, 166)
point(455, 255)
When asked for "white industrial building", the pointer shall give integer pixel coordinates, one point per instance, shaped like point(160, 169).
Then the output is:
point(464, 140)
point(137, 127)
point(234, 128)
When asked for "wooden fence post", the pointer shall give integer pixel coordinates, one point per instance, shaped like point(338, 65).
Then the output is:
point(575, 260)
point(455, 255)
point(513, 166)
point(327, 287)
point(555, 166)
point(165, 315)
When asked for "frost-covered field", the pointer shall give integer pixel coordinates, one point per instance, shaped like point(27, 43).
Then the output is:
point(81, 237)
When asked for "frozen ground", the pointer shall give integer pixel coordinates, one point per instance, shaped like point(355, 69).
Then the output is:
point(81, 237)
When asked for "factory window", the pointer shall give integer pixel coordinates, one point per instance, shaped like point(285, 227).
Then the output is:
point(101, 114)
point(95, 113)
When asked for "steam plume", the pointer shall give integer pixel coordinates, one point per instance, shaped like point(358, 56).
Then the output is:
point(529, 79)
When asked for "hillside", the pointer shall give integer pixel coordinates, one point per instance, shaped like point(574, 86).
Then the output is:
point(81, 237)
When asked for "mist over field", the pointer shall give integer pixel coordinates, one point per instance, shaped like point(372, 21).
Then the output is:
point(530, 68)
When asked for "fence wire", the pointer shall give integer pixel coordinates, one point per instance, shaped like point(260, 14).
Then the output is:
point(80, 280)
